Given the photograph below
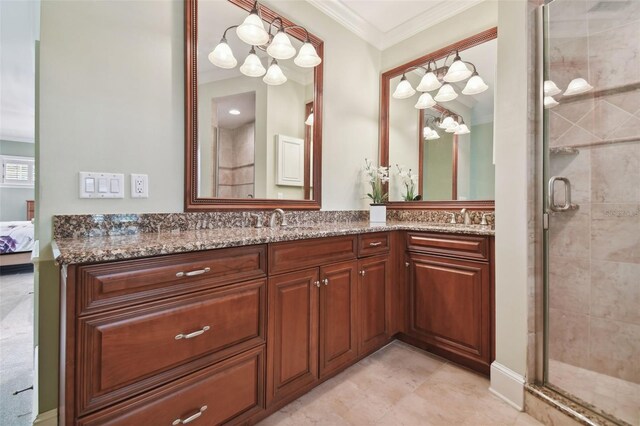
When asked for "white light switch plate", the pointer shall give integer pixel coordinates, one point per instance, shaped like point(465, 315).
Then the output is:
point(101, 185)
point(139, 186)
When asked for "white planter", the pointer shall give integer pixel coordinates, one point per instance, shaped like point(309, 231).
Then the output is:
point(378, 214)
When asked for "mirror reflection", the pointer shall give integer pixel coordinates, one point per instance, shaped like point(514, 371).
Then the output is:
point(442, 130)
point(254, 136)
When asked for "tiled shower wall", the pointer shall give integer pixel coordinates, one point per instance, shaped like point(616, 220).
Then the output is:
point(595, 251)
point(236, 170)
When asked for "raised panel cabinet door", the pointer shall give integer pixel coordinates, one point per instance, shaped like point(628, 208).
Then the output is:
point(292, 338)
point(373, 278)
point(449, 306)
point(338, 304)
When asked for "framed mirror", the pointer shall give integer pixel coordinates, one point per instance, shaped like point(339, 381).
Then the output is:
point(253, 109)
point(436, 127)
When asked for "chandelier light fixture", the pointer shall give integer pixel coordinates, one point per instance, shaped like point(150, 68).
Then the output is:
point(577, 86)
point(440, 79)
point(447, 121)
point(252, 32)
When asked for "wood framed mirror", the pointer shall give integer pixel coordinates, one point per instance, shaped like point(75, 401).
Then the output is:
point(454, 170)
point(249, 145)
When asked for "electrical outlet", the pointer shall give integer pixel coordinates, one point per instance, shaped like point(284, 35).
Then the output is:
point(139, 186)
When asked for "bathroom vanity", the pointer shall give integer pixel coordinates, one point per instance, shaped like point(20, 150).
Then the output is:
point(231, 334)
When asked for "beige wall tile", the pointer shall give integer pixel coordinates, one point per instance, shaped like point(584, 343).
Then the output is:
point(603, 119)
point(615, 348)
point(615, 290)
point(613, 56)
point(615, 173)
point(569, 234)
point(569, 282)
point(576, 135)
point(576, 167)
point(569, 337)
point(615, 232)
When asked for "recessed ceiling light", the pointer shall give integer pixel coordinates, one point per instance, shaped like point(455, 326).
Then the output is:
point(234, 112)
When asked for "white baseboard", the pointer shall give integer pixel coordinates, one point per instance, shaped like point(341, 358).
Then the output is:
point(48, 418)
point(507, 385)
point(34, 400)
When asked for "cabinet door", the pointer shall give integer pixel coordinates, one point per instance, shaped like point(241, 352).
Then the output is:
point(450, 308)
point(338, 341)
point(372, 300)
point(292, 340)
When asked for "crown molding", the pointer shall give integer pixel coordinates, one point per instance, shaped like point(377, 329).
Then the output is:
point(339, 12)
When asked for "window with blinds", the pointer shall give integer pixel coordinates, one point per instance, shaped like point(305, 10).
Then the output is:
point(19, 172)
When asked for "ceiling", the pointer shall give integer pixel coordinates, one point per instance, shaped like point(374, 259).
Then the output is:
point(384, 23)
point(245, 103)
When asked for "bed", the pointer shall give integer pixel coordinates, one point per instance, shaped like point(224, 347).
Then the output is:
point(16, 244)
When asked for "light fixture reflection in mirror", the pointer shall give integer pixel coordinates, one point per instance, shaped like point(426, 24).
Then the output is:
point(277, 46)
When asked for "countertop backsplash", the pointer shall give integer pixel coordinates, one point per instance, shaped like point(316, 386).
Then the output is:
point(101, 225)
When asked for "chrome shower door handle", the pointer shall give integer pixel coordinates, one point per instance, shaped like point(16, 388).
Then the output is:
point(567, 194)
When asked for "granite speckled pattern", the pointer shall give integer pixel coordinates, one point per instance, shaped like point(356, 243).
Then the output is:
point(116, 247)
point(99, 225)
point(564, 406)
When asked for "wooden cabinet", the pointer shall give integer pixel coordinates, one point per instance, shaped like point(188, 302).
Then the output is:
point(312, 327)
point(373, 278)
point(293, 333)
point(450, 305)
point(338, 340)
point(152, 341)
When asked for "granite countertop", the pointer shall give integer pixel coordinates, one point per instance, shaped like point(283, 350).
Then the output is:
point(106, 248)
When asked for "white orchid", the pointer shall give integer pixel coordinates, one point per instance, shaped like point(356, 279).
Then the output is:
point(409, 180)
point(377, 177)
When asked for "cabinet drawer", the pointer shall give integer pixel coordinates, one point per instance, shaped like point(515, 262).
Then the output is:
point(375, 243)
point(464, 246)
point(118, 284)
point(230, 391)
point(296, 255)
point(124, 353)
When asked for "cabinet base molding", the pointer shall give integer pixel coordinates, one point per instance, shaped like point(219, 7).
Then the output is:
point(507, 385)
point(473, 364)
point(48, 418)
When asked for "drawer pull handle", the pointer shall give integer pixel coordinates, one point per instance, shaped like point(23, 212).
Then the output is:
point(376, 244)
point(189, 419)
point(407, 264)
point(316, 283)
point(325, 281)
point(362, 272)
point(192, 335)
point(192, 273)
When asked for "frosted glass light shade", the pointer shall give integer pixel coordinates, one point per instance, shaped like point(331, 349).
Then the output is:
point(274, 76)
point(453, 128)
point(280, 47)
point(252, 31)
point(549, 102)
point(550, 88)
point(577, 86)
point(425, 101)
point(307, 56)
point(252, 66)
point(404, 89)
point(458, 71)
point(474, 86)
point(462, 130)
point(446, 93)
point(448, 121)
point(429, 83)
point(222, 56)
point(432, 134)
point(309, 120)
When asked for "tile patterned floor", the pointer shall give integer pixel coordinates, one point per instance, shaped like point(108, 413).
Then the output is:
point(401, 386)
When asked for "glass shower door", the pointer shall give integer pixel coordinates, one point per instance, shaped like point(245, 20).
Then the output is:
point(592, 203)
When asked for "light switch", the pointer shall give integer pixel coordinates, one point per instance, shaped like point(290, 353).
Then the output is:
point(101, 185)
point(89, 184)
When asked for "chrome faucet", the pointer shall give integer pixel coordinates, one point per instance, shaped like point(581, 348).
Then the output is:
point(258, 219)
point(272, 220)
point(467, 218)
point(484, 218)
point(453, 218)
